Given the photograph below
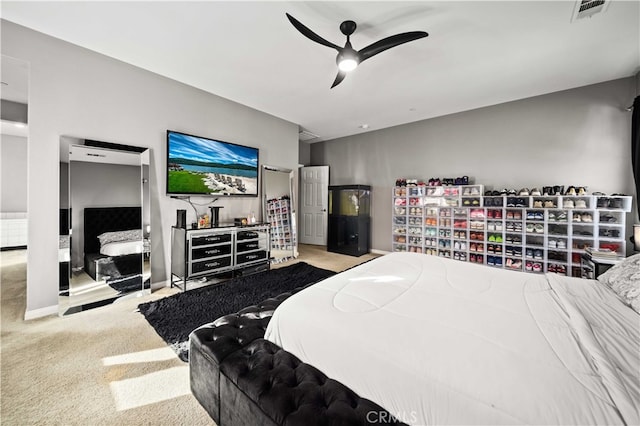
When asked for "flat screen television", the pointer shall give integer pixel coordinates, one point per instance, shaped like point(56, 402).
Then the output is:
point(202, 166)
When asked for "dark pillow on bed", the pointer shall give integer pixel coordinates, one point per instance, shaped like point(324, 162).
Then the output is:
point(116, 236)
point(624, 280)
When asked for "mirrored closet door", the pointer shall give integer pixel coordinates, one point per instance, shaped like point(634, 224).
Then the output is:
point(105, 224)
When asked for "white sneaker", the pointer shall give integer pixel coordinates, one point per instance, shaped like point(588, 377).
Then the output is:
point(581, 204)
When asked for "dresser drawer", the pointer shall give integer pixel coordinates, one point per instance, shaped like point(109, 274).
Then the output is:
point(204, 252)
point(210, 265)
point(251, 257)
point(210, 239)
point(249, 245)
point(246, 235)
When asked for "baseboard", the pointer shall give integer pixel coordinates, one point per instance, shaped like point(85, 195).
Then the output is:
point(41, 312)
point(376, 251)
point(13, 248)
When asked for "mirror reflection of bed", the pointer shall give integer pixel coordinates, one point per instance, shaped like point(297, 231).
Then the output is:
point(105, 249)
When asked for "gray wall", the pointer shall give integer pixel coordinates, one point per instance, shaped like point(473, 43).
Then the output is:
point(574, 137)
point(304, 156)
point(13, 173)
point(99, 185)
point(80, 93)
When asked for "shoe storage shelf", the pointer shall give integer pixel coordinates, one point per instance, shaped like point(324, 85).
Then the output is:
point(531, 233)
point(279, 217)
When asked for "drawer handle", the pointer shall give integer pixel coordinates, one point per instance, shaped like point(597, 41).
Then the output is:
point(210, 265)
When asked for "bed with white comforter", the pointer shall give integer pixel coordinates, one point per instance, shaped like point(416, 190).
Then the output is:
point(437, 341)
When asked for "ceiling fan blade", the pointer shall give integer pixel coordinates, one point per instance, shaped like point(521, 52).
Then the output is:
point(310, 34)
point(341, 75)
point(389, 42)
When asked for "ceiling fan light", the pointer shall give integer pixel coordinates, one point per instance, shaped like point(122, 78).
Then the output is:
point(347, 64)
point(347, 59)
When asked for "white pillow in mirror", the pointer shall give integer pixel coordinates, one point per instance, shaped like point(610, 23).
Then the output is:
point(115, 236)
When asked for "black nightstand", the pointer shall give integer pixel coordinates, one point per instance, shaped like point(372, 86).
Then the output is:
point(592, 268)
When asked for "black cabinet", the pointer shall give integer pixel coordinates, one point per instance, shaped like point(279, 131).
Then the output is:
point(349, 227)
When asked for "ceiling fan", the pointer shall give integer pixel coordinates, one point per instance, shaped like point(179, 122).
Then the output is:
point(348, 58)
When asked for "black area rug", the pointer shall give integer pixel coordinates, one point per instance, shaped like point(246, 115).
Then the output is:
point(175, 317)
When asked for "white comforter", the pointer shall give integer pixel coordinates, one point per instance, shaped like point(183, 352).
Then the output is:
point(437, 341)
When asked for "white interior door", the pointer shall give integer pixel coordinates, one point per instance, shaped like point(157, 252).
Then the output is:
point(314, 188)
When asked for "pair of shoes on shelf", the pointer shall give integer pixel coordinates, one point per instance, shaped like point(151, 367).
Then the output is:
point(584, 217)
point(514, 263)
point(464, 180)
point(607, 218)
point(514, 214)
point(610, 233)
point(535, 215)
point(560, 244)
point(494, 261)
point(513, 239)
point(526, 192)
point(514, 226)
point(557, 269)
point(517, 202)
point(495, 238)
point(535, 228)
point(609, 203)
point(576, 190)
point(553, 190)
point(493, 202)
point(580, 203)
point(494, 214)
point(533, 266)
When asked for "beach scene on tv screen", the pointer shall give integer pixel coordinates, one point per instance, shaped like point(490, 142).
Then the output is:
point(205, 166)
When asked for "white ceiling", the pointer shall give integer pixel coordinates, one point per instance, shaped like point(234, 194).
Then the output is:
point(478, 53)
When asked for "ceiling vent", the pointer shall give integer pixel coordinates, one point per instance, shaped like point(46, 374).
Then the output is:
point(305, 136)
point(589, 8)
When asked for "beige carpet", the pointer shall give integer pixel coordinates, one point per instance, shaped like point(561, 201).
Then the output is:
point(106, 366)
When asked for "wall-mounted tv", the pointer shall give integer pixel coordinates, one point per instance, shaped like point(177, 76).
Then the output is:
point(202, 166)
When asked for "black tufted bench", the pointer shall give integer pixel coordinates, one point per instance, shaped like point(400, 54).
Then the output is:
point(242, 379)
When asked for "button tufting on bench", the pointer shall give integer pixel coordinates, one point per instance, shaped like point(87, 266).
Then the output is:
point(285, 389)
point(282, 385)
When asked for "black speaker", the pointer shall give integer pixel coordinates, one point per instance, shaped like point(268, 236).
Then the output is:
point(181, 219)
